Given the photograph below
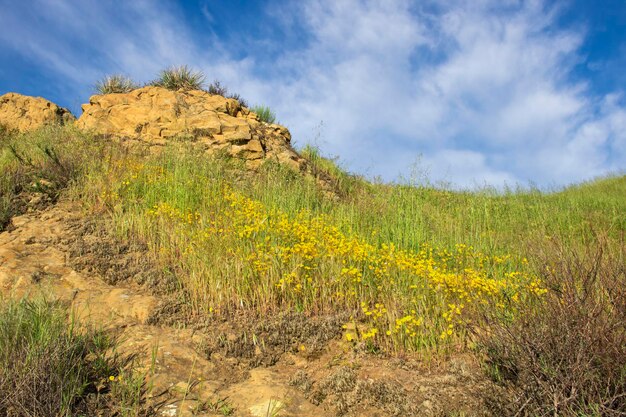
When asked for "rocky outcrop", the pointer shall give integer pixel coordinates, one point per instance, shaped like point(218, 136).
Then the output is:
point(156, 115)
point(23, 113)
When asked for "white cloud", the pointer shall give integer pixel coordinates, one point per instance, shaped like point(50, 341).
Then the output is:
point(481, 89)
point(496, 105)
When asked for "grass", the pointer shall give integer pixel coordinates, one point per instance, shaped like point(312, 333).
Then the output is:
point(36, 166)
point(277, 243)
point(50, 367)
point(181, 77)
point(420, 269)
point(265, 114)
point(173, 78)
point(115, 84)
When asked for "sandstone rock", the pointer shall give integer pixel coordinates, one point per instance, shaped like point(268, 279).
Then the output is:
point(25, 113)
point(156, 115)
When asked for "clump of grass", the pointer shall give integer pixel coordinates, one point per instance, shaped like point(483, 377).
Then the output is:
point(181, 77)
point(265, 114)
point(115, 84)
point(49, 367)
point(566, 355)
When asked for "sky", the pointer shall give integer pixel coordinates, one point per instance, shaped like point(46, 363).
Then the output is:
point(459, 93)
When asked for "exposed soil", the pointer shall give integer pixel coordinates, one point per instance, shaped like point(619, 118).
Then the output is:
point(288, 365)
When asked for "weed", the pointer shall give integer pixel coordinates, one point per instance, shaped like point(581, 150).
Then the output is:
point(265, 114)
point(181, 77)
point(217, 89)
point(242, 102)
point(274, 407)
point(115, 84)
point(219, 405)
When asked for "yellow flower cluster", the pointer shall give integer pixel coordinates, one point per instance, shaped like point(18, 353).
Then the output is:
point(270, 260)
point(173, 213)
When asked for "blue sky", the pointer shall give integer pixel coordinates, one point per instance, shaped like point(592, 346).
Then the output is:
point(467, 92)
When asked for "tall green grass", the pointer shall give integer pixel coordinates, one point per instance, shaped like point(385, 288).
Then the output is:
point(403, 214)
point(129, 186)
point(169, 199)
point(265, 113)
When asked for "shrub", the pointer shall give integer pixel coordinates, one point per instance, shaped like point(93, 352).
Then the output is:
point(50, 368)
point(115, 84)
point(265, 114)
point(567, 355)
point(176, 78)
point(217, 89)
point(242, 102)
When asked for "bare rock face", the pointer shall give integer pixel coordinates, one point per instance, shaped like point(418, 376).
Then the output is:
point(156, 115)
point(25, 113)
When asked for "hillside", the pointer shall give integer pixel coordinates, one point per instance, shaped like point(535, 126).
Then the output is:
point(248, 278)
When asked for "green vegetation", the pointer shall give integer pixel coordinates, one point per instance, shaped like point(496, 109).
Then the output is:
point(49, 367)
point(115, 84)
point(182, 77)
point(265, 114)
point(423, 270)
point(174, 78)
point(36, 166)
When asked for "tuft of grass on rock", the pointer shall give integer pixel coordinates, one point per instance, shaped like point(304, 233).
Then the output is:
point(265, 114)
point(181, 77)
point(115, 83)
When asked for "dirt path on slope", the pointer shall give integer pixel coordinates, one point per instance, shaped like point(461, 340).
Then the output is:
point(282, 366)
